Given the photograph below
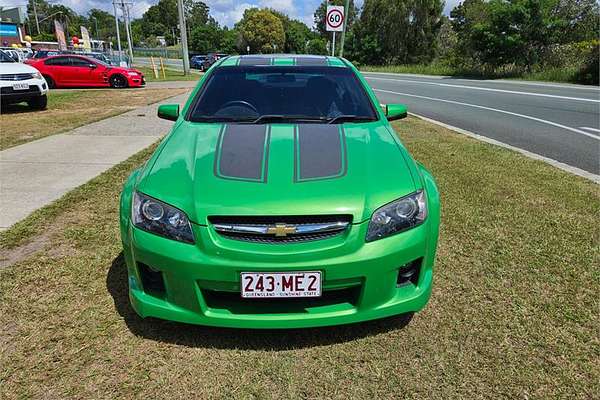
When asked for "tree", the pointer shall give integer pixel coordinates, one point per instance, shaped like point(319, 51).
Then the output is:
point(316, 46)
point(196, 13)
point(296, 33)
point(519, 33)
point(399, 31)
point(229, 41)
point(206, 38)
point(262, 31)
point(320, 12)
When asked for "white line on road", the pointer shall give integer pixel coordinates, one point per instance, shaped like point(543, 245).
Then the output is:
point(573, 86)
point(543, 121)
point(589, 129)
point(574, 170)
point(487, 89)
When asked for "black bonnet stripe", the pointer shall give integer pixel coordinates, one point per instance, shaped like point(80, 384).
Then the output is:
point(255, 61)
point(304, 61)
point(320, 152)
point(242, 152)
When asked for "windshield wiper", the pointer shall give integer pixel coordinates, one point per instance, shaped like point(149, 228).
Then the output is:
point(348, 118)
point(281, 118)
point(213, 119)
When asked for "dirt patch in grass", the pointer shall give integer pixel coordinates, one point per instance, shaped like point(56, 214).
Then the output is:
point(70, 109)
point(514, 311)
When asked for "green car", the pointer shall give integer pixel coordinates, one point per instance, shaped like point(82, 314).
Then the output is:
point(281, 198)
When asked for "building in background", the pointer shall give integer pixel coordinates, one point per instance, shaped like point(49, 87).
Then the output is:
point(12, 30)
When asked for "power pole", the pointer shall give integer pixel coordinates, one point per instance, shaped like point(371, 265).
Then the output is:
point(125, 9)
point(37, 22)
point(128, 26)
point(118, 34)
point(346, 16)
point(183, 33)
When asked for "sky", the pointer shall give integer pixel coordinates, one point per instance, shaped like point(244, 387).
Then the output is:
point(226, 12)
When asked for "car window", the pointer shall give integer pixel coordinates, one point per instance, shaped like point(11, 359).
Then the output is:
point(80, 62)
point(315, 92)
point(58, 61)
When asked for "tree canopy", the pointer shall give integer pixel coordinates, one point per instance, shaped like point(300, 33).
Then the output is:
point(262, 31)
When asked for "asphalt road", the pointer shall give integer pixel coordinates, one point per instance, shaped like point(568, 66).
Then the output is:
point(557, 121)
point(560, 122)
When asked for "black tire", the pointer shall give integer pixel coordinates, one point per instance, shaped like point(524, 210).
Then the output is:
point(50, 82)
point(38, 103)
point(118, 81)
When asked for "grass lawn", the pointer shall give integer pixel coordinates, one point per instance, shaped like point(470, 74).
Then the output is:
point(69, 109)
point(170, 75)
point(514, 312)
point(564, 75)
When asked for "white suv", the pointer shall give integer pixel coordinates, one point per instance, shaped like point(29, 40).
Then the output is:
point(21, 83)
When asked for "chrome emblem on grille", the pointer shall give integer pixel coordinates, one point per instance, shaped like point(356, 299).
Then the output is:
point(281, 230)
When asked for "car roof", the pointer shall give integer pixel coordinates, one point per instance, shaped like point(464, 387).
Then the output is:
point(283, 60)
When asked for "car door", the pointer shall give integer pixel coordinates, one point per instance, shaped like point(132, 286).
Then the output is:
point(82, 71)
point(59, 69)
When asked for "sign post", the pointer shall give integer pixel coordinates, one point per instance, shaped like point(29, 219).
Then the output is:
point(334, 22)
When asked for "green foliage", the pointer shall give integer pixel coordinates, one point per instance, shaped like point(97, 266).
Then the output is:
point(297, 34)
point(520, 34)
point(590, 71)
point(316, 46)
point(205, 38)
point(398, 31)
point(262, 31)
point(229, 41)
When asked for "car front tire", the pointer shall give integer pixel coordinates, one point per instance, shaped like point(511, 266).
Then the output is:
point(38, 103)
point(118, 81)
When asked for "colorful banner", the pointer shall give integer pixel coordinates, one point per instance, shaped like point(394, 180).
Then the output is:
point(8, 30)
point(60, 35)
point(85, 36)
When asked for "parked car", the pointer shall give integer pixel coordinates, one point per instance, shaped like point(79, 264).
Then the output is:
point(197, 62)
point(72, 70)
point(16, 54)
point(21, 83)
point(212, 58)
point(43, 53)
point(281, 198)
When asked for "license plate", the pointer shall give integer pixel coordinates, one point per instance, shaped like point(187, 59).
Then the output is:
point(20, 86)
point(281, 284)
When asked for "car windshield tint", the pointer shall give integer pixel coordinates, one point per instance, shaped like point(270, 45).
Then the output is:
point(282, 94)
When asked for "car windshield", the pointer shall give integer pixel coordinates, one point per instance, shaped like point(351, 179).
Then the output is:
point(5, 58)
point(261, 94)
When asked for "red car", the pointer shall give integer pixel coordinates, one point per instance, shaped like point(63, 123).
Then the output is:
point(71, 70)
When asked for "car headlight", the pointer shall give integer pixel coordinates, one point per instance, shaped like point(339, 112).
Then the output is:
point(36, 75)
point(157, 217)
point(131, 73)
point(398, 216)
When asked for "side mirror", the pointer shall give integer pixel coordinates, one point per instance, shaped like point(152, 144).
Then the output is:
point(168, 111)
point(395, 111)
point(92, 66)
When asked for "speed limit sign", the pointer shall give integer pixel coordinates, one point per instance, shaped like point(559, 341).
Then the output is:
point(335, 18)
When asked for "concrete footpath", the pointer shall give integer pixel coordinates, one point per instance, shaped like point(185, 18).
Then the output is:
point(34, 174)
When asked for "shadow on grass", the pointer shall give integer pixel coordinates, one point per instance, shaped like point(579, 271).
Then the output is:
point(230, 338)
point(17, 108)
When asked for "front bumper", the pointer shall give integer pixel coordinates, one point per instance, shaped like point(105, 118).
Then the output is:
point(37, 88)
point(136, 80)
point(202, 281)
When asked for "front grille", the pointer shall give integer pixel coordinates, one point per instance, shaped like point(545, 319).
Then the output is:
point(15, 77)
point(10, 90)
point(235, 304)
point(231, 227)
